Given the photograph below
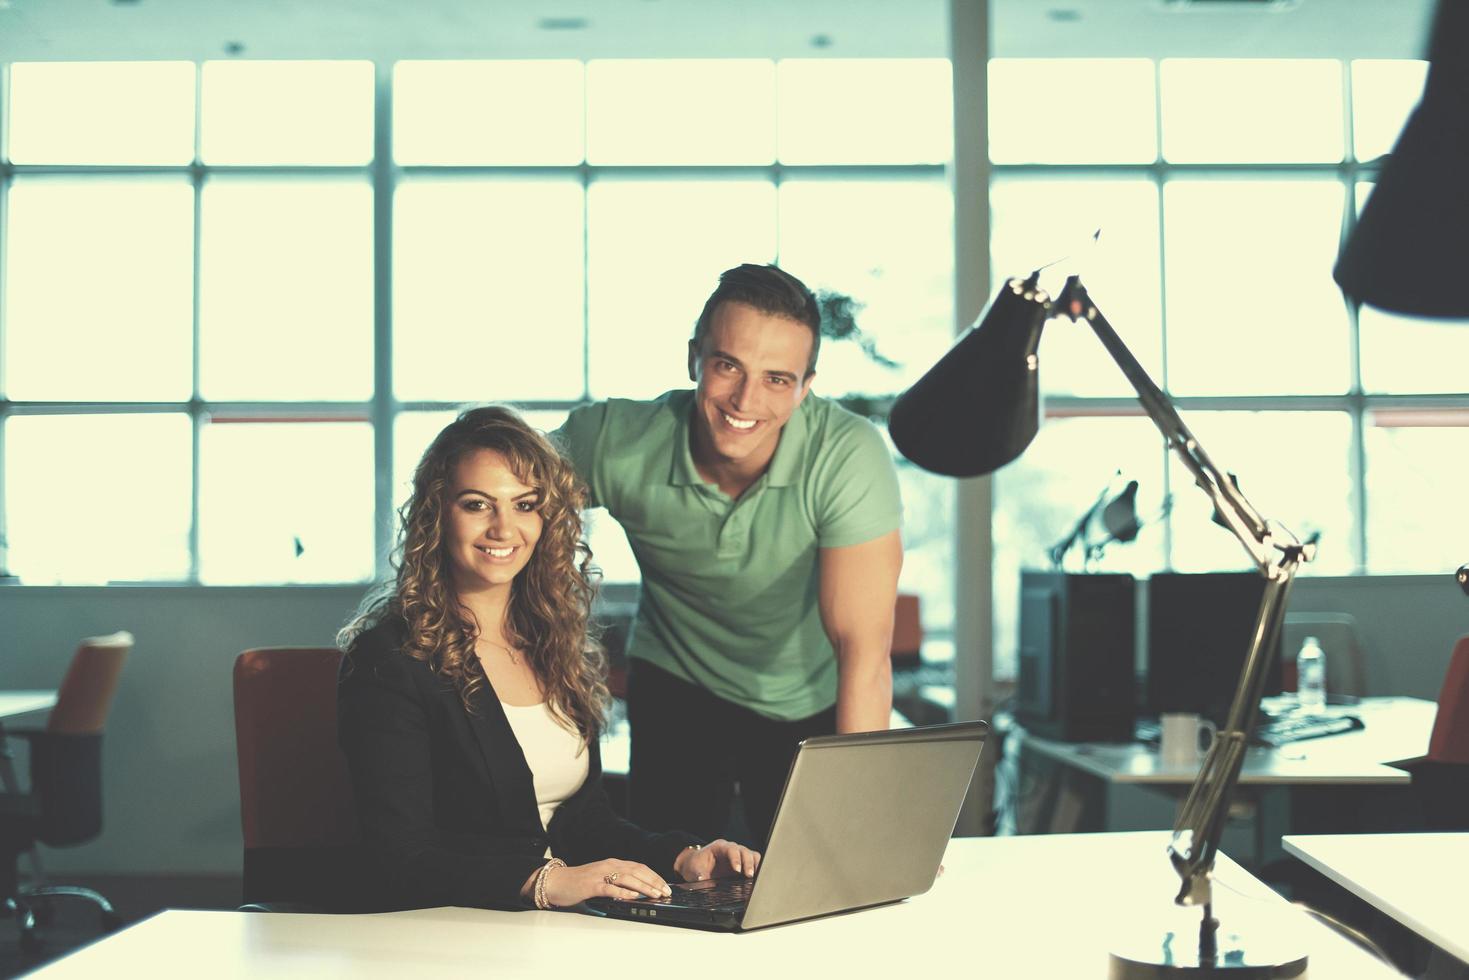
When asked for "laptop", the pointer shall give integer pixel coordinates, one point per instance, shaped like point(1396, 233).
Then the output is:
point(863, 820)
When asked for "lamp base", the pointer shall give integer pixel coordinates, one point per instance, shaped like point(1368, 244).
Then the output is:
point(1178, 954)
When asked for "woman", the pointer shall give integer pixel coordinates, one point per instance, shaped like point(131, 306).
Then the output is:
point(470, 700)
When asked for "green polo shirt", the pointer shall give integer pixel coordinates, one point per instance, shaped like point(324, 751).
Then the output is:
point(729, 594)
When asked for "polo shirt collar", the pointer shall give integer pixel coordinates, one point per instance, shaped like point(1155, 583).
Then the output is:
point(682, 473)
point(785, 465)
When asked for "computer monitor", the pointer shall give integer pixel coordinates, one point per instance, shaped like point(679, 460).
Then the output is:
point(1199, 629)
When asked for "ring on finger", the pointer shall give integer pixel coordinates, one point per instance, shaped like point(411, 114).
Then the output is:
point(611, 879)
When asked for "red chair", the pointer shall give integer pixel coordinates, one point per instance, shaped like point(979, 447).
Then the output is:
point(296, 807)
point(1450, 739)
point(1441, 777)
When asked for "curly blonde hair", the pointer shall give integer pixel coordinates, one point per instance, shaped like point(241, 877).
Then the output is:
point(550, 599)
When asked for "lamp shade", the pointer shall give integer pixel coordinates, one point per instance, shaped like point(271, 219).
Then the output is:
point(978, 407)
point(1410, 250)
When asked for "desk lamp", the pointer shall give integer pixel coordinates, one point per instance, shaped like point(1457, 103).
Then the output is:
point(991, 375)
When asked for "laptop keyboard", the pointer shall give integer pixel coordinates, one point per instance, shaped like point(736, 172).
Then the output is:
point(723, 892)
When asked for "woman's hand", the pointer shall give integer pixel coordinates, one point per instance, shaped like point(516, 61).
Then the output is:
point(716, 860)
point(609, 879)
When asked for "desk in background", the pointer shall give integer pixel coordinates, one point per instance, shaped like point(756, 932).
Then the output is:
point(1418, 879)
point(13, 705)
point(1006, 907)
point(1335, 783)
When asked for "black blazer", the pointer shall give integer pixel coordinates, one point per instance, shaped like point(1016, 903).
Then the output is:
point(445, 800)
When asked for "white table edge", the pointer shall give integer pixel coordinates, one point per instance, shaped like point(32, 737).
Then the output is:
point(1295, 845)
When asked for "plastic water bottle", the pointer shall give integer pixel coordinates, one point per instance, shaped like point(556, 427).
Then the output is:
point(1311, 676)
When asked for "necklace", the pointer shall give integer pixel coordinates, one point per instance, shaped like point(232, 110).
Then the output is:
point(508, 652)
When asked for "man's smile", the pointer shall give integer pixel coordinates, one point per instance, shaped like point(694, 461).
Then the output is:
point(738, 424)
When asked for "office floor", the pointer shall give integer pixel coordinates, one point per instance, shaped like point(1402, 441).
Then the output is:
point(135, 897)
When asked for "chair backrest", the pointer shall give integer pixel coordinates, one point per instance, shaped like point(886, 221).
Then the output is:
point(294, 790)
point(66, 759)
point(1340, 638)
point(1450, 739)
point(907, 626)
point(85, 696)
point(296, 805)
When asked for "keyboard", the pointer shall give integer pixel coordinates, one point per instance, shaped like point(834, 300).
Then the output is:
point(1298, 727)
point(720, 892)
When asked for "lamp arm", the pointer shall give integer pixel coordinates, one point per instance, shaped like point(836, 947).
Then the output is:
point(1229, 503)
point(1200, 822)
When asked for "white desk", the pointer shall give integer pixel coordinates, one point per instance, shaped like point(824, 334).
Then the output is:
point(1418, 879)
point(15, 704)
point(1396, 728)
point(1006, 908)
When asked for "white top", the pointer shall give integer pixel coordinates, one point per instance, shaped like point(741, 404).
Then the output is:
point(1044, 905)
point(557, 756)
point(1417, 879)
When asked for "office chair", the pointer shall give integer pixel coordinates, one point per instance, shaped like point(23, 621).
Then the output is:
point(64, 805)
point(1441, 777)
point(907, 630)
point(1340, 637)
point(296, 806)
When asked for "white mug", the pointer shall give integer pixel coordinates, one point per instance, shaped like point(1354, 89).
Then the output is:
point(1180, 743)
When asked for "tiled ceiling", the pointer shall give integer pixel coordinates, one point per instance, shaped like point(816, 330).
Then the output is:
point(391, 29)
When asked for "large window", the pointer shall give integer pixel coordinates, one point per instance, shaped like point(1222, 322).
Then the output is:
point(241, 297)
point(1222, 189)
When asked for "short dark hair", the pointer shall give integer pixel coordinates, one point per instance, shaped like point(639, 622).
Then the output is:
point(770, 290)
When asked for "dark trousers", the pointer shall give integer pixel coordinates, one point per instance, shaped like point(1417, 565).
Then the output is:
point(690, 748)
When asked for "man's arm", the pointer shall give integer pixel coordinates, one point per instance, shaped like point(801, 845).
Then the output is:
point(859, 588)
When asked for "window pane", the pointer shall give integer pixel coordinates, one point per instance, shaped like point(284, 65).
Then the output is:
point(655, 111)
point(1294, 467)
point(656, 252)
point(1383, 95)
point(928, 547)
point(97, 498)
point(1417, 468)
point(889, 245)
point(1041, 496)
point(1036, 222)
point(285, 289)
point(287, 112)
point(865, 110)
point(487, 112)
point(1252, 308)
point(487, 290)
point(99, 271)
point(285, 502)
point(138, 112)
point(610, 549)
point(1252, 110)
point(1402, 354)
point(1108, 106)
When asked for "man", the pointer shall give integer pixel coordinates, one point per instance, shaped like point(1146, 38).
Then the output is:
point(765, 522)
